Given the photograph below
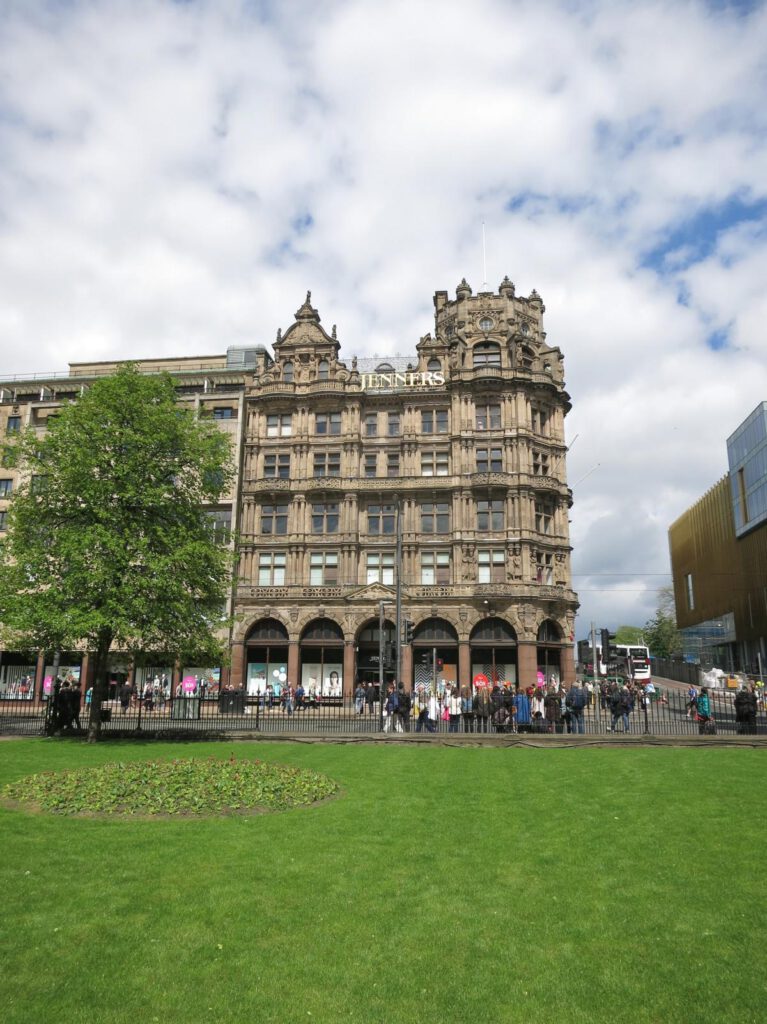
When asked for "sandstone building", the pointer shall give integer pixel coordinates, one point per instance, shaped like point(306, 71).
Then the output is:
point(460, 446)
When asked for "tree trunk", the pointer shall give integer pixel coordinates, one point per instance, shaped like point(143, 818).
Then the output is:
point(99, 685)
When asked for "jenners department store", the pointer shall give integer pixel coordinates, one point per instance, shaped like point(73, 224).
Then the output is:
point(464, 441)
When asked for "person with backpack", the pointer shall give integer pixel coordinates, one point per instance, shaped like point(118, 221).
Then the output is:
point(706, 724)
point(403, 707)
point(391, 718)
point(483, 708)
point(576, 704)
point(620, 706)
point(467, 709)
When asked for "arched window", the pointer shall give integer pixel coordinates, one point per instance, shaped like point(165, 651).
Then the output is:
point(384, 368)
point(434, 365)
point(322, 370)
point(493, 630)
point(434, 630)
point(549, 632)
point(267, 630)
point(487, 354)
point(322, 629)
point(287, 373)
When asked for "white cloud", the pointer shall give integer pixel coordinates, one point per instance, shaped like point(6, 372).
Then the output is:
point(175, 176)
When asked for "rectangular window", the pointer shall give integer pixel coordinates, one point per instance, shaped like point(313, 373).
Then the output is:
point(541, 420)
point(544, 571)
point(435, 463)
point(489, 460)
point(380, 567)
point(435, 568)
point(381, 519)
point(221, 524)
point(278, 426)
point(434, 421)
point(271, 569)
point(3, 521)
point(544, 516)
point(274, 519)
point(742, 493)
point(327, 464)
point(277, 464)
point(689, 592)
point(488, 417)
point(371, 424)
point(435, 517)
point(223, 412)
point(370, 464)
point(540, 463)
point(392, 463)
point(39, 483)
point(14, 425)
point(393, 424)
point(323, 568)
point(6, 486)
point(491, 565)
point(325, 517)
point(328, 423)
point(490, 514)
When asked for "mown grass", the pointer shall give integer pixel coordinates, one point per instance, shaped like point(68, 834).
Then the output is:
point(445, 884)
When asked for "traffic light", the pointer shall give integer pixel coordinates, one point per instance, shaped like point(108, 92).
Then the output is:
point(409, 631)
point(605, 646)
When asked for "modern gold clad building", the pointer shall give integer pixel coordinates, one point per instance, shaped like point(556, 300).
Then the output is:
point(719, 559)
point(459, 446)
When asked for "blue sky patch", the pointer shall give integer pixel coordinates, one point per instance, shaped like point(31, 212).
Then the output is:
point(695, 238)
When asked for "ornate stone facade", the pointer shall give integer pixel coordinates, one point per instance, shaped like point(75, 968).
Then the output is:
point(466, 442)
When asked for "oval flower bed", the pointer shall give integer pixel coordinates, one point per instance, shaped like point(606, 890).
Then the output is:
point(189, 786)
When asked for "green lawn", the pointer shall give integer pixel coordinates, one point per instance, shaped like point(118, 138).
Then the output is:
point(445, 884)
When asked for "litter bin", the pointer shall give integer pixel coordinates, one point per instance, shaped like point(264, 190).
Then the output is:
point(185, 708)
point(106, 715)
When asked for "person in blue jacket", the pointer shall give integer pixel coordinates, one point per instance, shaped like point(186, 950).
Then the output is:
point(522, 704)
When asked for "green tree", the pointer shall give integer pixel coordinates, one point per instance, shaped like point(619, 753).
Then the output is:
point(660, 632)
point(109, 545)
point(629, 635)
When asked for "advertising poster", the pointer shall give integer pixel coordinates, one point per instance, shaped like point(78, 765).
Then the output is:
point(325, 679)
point(256, 677)
point(502, 675)
point(277, 675)
point(332, 684)
point(64, 671)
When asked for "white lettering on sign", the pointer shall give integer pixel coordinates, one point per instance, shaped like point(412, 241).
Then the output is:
point(411, 379)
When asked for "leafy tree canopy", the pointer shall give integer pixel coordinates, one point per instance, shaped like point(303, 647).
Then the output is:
point(108, 542)
point(660, 632)
point(629, 635)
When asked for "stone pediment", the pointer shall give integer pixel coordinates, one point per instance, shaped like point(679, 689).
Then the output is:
point(306, 331)
point(373, 592)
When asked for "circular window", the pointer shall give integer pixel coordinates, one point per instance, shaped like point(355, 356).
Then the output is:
point(485, 324)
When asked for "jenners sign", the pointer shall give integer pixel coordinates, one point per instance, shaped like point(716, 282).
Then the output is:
point(410, 379)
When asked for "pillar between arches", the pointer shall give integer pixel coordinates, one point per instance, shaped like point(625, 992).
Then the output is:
point(464, 663)
point(528, 664)
point(237, 667)
point(349, 668)
point(407, 666)
point(293, 662)
point(567, 661)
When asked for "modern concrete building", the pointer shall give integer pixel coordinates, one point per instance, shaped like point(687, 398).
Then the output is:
point(459, 446)
point(719, 559)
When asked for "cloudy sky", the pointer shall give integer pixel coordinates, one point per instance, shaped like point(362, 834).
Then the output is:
point(175, 176)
